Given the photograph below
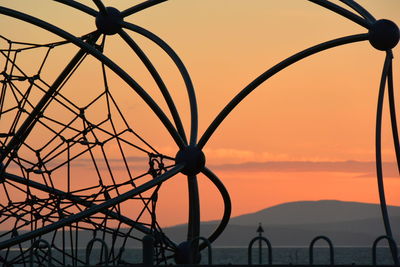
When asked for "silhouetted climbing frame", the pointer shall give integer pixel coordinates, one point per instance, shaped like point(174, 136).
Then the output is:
point(45, 131)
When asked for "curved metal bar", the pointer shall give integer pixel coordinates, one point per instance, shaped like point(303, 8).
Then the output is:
point(78, 6)
point(260, 238)
point(182, 69)
point(343, 12)
point(392, 107)
point(36, 244)
point(160, 83)
point(360, 10)
point(63, 195)
point(89, 247)
point(378, 156)
point(140, 7)
point(391, 241)
point(100, 6)
point(271, 72)
point(331, 250)
point(92, 210)
point(227, 204)
point(109, 63)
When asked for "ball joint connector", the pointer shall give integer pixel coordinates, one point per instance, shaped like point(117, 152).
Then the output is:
point(384, 35)
point(109, 22)
point(192, 158)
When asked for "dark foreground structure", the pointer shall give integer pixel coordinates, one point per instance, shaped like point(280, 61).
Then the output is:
point(47, 132)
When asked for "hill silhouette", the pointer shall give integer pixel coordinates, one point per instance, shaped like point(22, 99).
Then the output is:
point(297, 223)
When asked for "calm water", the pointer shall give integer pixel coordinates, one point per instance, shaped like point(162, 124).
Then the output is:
point(343, 255)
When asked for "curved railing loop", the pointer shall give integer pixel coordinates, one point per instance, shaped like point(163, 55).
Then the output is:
point(392, 243)
point(249, 254)
point(331, 249)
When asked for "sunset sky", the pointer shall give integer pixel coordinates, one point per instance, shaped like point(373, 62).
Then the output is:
point(305, 134)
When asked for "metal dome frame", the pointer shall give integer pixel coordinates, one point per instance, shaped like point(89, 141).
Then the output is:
point(191, 160)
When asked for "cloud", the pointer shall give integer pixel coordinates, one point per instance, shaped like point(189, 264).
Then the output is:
point(362, 168)
point(233, 155)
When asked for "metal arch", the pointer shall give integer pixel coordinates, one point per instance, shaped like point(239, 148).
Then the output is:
point(182, 69)
point(393, 120)
point(78, 6)
point(140, 7)
point(261, 238)
point(360, 10)
point(366, 20)
point(271, 72)
point(392, 243)
point(93, 210)
point(343, 12)
point(159, 81)
point(378, 151)
point(104, 59)
point(227, 204)
point(331, 250)
point(171, 53)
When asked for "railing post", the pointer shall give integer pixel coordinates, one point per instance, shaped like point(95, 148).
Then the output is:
point(148, 250)
point(392, 243)
point(89, 250)
point(260, 238)
point(331, 251)
point(36, 244)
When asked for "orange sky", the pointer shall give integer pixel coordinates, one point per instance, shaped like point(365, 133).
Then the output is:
point(321, 110)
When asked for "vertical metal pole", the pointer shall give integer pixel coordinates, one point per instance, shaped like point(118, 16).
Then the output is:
point(259, 249)
point(148, 250)
point(194, 217)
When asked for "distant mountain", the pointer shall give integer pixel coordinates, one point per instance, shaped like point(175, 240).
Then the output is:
point(311, 212)
point(297, 223)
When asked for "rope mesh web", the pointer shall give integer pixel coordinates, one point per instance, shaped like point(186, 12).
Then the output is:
point(60, 138)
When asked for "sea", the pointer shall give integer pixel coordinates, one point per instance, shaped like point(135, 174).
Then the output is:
point(294, 255)
point(280, 255)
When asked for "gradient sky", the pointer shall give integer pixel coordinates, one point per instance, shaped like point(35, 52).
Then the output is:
point(306, 134)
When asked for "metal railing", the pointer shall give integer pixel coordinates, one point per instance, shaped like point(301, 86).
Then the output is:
point(148, 250)
point(392, 244)
point(260, 239)
point(331, 250)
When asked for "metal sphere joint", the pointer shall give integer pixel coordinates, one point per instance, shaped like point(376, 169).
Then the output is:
point(109, 23)
point(192, 158)
point(384, 35)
